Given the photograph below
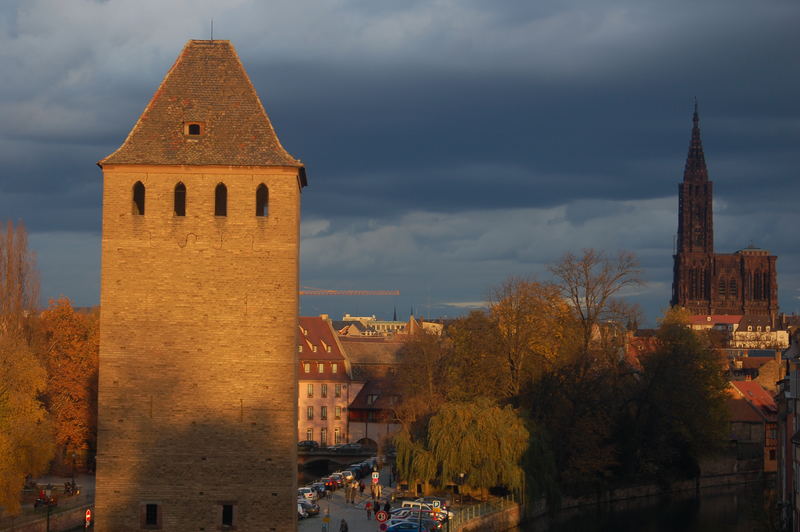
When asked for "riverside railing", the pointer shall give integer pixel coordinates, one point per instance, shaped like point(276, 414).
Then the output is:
point(467, 513)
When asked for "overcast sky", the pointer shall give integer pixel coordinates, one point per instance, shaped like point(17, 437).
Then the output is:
point(449, 144)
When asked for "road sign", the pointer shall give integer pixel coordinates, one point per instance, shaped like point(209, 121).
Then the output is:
point(88, 517)
point(436, 503)
point(381, 516)
point(376, 476)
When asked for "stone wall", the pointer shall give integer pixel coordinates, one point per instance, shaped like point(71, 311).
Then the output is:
point(198, 373)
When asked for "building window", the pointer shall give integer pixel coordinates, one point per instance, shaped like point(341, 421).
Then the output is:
point(772, 454)
point(193, 129)
point(309, 434)
point(371, 398)
point(338, 412)
point(323, 390)
point(138, 198)
point(337, 390)
point(151, 516)
point(334, 367)
point(262, 200)
point(227, 515)
point(323, 412)
point(732, 289)
point(320, 367)
point(310, 390)
point(306, 366)
point(722, 287)
point(323, 436)
point(180, 200)
point(310, 413)
point(337, 435)
point(221, 200)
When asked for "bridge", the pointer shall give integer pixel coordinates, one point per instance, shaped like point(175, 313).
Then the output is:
point(309, 457)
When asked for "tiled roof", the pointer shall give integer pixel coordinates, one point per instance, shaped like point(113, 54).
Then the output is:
point(317, 340)
point(729, 319)
point(371, 350)
point(759, 398)
point(208, 85)
point(385, 391)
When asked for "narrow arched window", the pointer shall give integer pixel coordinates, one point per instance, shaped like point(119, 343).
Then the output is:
point(180, 199)
point(221, 200)
point(732, 288)
point(138, 198)
point(262, 200)
point(722, 287)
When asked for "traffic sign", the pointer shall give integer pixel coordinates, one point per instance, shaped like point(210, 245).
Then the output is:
point(436, 503)
point(88, 517)
point(381, 516)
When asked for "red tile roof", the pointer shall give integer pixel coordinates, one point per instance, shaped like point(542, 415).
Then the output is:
point(317, 341)
point(728, 319)
point(208, 85)
point(759, 398)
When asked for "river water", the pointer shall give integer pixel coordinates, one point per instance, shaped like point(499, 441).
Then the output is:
point(728, 509)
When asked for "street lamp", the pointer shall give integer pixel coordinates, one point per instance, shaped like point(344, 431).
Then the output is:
point(74, 455)
point(461, 486)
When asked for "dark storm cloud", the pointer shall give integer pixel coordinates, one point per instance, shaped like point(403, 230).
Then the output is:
point(449, 144)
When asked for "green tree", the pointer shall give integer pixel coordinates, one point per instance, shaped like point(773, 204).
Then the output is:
point(479, 438)
point(678, 411)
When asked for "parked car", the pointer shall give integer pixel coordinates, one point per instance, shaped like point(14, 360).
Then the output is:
point(311, 508)
point(307, 493)
point(319, 487)
point(301, 513)
point(427, 522)
point(402, 526)
point(338, 478)
point(308, 445)
point(348, 475)
point(426, 507)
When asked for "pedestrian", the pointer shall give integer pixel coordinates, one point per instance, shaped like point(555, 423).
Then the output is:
point(361, 488)
point(343, 526)
point(368, 507)
point(387, 507)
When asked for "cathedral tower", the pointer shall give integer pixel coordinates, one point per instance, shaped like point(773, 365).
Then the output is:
point(704, 282)
point(199, 298)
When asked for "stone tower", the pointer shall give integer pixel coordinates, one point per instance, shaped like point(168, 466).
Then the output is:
point(704, 282)
point(199, 298)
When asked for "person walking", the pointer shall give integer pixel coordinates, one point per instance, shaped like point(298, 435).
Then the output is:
point(343, 526)
point(368, 507)
point(361, 488)
point(387, 507)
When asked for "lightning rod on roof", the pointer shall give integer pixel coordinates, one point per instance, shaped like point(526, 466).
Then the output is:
point(212, 29)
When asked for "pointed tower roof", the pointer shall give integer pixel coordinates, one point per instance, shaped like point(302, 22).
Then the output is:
point(208, 86)
point(695, 170)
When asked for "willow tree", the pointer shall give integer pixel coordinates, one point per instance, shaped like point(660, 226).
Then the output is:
point(482, 441)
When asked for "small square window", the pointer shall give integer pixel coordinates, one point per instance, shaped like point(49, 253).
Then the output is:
point(193, 129)
point(307, 367)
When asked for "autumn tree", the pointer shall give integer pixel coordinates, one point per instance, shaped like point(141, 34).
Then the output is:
point(592, 283)
point(533, 322)
point(26, 439)
point(71, 354)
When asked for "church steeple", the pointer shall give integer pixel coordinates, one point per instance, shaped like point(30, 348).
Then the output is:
point(695, 171)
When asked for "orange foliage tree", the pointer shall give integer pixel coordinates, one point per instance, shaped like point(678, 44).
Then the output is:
point(71, 354)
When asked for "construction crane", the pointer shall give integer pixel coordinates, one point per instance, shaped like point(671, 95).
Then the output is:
point(308, 291)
